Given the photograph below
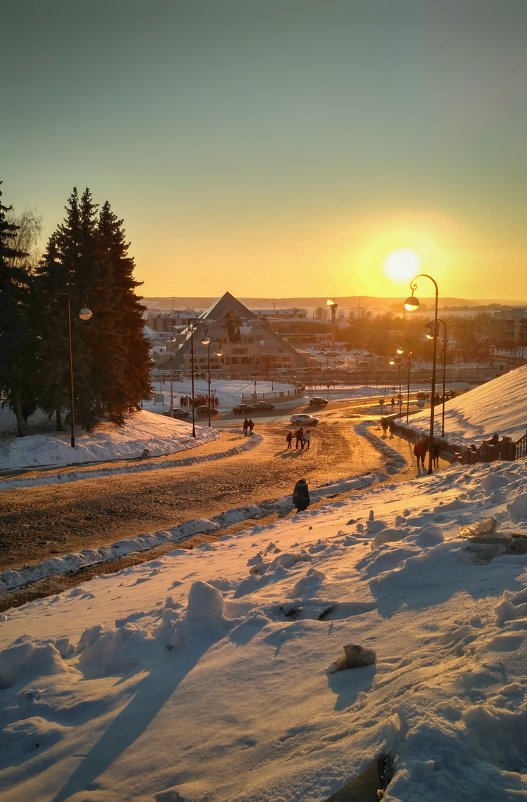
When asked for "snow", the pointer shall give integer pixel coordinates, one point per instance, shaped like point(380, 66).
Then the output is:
point(495, 407)
point(203, 675)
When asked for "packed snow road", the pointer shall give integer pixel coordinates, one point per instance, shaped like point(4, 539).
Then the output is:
point(53, 519)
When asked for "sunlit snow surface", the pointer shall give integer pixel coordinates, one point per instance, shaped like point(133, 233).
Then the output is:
point(203, 675)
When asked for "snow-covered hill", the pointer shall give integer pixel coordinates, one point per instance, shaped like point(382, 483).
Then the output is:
point(499, 406)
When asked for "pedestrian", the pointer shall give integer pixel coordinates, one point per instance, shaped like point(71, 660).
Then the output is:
point(307, 438)
point(301, 498)
point(384, 424)
point(392, 402)
point(390, 428)
point(245, 427)
point(436, 450)
point(289, 438)
point(251, 426)
point(299, 437)
point(420, 453)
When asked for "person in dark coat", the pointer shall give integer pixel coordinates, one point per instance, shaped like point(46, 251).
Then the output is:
point(301, 498)
point(245, 426)
point(299, 437)
point(251, 425)
point(436, 451)
point(420, 450)
point(289, 438)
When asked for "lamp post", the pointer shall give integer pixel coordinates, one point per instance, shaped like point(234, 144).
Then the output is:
point(208, 342)
point(411, 304)
point(170, 361)
point(397, 361)
point(408, 354)
point(84, 314)
point(194, 326)
point(432, 334)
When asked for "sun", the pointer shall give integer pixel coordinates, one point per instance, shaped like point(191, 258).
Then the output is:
point(402, 265)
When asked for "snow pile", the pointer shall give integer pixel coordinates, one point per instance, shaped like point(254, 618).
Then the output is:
point(222, 652)
point(144, 430)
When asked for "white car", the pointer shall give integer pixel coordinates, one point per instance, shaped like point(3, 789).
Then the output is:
point(304, 420)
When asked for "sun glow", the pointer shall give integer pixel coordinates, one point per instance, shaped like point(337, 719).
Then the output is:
point(402, 265)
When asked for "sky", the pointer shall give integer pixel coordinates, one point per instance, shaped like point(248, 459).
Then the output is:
point(217, 672)
point(278, 148)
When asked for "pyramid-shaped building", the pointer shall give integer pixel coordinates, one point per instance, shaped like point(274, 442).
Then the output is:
point(248, 344)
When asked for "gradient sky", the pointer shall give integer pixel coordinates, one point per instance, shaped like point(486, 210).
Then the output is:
point(278, 147)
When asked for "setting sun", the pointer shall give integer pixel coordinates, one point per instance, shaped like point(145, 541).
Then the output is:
point(401, 265)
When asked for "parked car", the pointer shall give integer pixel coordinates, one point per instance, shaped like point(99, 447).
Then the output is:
point(178, 413)
point(304, 420)
point(318, 401)
point(204, 410)
point(263, 405)
point(242, 409)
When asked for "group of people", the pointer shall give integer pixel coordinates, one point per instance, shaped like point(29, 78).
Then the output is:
point(199, 401)
point(248, 426)
point(387, 425)
point(302, 438)
point(421, 450)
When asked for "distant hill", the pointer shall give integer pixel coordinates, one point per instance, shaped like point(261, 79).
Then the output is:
point(350, 301)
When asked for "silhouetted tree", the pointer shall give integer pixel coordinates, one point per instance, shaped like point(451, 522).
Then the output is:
point(87, 261)
point(16, 352)
point(122, 360)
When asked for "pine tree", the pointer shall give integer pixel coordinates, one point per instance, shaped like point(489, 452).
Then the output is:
point(68, 274)
point(126, 372)
point(51, 310)
point(87, 261)
point(16, 352)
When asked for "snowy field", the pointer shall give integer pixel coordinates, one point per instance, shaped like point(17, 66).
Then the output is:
point(208, 675)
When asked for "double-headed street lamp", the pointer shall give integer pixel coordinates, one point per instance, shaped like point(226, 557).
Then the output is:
point(411, 304)
point(84, 314)
point(432, 334)
point(408, 354)
point(193, 326)
point(206, 341)
point(397, 361)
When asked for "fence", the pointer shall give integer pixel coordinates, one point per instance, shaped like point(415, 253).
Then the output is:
point(276, 395)
point(504, 449)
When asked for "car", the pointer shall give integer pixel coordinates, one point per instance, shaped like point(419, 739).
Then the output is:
point(204, 410)
point(318, 401)
point(263, 405)
point(242, 409)
point(304, 420)
point(178, 413)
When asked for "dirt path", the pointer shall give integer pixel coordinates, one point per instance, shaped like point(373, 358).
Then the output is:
point(38, 522)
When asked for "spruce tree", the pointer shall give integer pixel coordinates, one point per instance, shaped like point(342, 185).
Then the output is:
point(68, 274)
point(127, 363)
point(87, 261)
point(16, 352)
point(51, 316)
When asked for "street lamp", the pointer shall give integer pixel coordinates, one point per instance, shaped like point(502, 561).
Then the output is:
point(170, 362)
point(84, 314)
point(397, 361)
point(208, 342)
point(411, 304)
point(194, 326)
point(432, 335)
point(408, 354)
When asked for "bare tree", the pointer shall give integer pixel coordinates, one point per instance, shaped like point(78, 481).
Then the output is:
point(27, 239)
